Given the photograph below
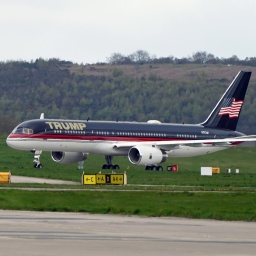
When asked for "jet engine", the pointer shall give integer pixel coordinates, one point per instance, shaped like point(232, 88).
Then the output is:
point(146, 155)
point(68, 157)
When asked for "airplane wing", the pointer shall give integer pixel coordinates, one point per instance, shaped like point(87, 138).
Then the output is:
point(168, 145)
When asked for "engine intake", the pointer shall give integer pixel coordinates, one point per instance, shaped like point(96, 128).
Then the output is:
point(68, 157)
point(146, 155)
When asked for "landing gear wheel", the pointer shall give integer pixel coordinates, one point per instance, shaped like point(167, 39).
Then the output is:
point(39, 166)
point(149, 167)
point(159, 168)
point(104, 166)
point(154, 168)
point(109, 165)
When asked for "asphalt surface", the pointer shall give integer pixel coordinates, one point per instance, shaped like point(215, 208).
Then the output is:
point(23, 179)
point(47, 233)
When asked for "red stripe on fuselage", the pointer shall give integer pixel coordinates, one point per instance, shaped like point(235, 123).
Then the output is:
point(100, 138)
point(83, 137)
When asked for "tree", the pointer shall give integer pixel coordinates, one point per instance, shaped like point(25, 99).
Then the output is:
point(140, 57)
point(116, 58)
point(202, 57)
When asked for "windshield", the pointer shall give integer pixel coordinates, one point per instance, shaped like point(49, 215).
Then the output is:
point(22, 130)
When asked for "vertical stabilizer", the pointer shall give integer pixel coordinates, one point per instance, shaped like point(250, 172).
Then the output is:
point(226, 113)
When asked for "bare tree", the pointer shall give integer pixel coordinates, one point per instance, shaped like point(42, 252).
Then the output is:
point(116, 58)
point(140, 56)
point(202, 57)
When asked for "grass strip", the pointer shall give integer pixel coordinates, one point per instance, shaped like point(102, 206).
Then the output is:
point(221, 206)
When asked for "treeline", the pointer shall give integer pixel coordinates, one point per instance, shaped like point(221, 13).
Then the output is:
point(201, 57)
point(57, 89)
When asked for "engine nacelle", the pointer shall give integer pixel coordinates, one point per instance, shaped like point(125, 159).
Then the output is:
point(146, 155)
point(68, 157)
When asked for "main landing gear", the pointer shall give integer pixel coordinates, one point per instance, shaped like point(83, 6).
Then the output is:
point(37, 163)
point(154, 168)
point(109, 164)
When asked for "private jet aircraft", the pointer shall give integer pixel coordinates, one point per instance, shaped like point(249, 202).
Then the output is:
point(144, 143)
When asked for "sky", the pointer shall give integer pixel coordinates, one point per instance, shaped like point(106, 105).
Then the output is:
point(90, 31)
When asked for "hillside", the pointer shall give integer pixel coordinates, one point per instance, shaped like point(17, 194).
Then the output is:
point(167, 92)
point(176, 72)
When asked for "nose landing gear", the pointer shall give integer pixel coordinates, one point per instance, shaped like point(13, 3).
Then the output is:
point(36, 161)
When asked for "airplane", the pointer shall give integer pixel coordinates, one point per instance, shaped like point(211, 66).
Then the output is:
point(144, 143)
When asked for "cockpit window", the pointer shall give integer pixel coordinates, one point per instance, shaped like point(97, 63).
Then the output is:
point(21, 130)
point(27, 131)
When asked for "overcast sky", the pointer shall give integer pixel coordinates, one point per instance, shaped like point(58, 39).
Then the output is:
point(89, 31)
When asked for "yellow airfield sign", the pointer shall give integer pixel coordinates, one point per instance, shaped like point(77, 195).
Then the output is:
point(89, 179)
point(104, 179)
point(117, 179)
point(101, 178)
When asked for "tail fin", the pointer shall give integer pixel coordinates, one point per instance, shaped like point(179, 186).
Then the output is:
point(226, 113)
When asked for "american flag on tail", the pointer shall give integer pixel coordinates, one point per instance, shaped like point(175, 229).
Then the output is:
point(231, 107)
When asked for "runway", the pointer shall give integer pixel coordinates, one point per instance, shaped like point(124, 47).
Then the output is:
point(47, 233)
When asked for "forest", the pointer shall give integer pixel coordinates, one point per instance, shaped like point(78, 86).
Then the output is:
point(142, 89)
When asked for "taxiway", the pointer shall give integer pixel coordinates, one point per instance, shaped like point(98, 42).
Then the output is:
point(48, 233)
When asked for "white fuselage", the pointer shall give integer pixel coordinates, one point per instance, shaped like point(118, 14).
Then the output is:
point(101, 147)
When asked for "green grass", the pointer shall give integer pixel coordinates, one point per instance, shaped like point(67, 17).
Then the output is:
point(242, 158)
point(184, 193)
point(228, 206)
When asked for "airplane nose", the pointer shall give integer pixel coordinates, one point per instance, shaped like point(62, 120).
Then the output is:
point(10, 142)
